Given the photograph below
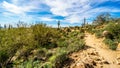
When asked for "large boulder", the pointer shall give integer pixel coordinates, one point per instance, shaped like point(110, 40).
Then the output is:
point(107, 34)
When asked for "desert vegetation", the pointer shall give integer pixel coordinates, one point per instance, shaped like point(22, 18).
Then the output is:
point(38, 46)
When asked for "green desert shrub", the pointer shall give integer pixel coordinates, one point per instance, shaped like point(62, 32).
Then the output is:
point(49, 54)
point(47, 65)
point(81, 35)
point(82, 30)
point(114, 29)
point(90, 28)
point(74, 33)
point(76, 46)
point(113, 39)
point(59, 58)
point(98, 33)
point(40, 54)
point(111, 44)
point(62, 43)
point(29, 64)
point(45, 36)
point(11, 41)
point(3, 58)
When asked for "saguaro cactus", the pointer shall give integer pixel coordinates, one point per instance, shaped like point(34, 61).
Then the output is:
point(84, 21)
point(5, 26)
point(0, 26)
point(58, 24)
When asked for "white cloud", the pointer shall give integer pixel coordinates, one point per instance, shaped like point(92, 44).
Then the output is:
point(73, 19)
point(12, 8)
point(58, 7)
point(104, 9)
point(16, 9)
point(20, 7)
point(76, 10)
point(73, 10)
point(66, 7)
point(78, 18)
point(46, 19)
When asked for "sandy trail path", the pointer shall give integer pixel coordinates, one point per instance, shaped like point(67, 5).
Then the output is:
point(103, 51)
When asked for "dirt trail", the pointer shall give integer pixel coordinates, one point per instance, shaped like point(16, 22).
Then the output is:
point(95, 48)
point(103, 51)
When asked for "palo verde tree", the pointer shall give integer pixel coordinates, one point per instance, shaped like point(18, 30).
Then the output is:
point(102, 18)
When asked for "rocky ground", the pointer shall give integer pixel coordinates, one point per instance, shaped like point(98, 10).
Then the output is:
point(95, 55)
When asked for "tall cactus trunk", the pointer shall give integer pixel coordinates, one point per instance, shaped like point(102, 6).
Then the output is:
point(58, 24)
point(84, 21)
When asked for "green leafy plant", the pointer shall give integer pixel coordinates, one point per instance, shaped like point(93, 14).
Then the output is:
point(111, 44)
point(114, 29)
point(59, 58)
point(3, 58)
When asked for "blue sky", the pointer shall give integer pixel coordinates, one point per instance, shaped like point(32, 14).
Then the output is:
point(69, 12)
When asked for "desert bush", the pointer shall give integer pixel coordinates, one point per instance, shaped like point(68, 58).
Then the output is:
point(74, 33)
point(24, 53)
point(47, 65)
point(45, 36)
point(82, 30)
point(114, 36)
point(49, 54)
point(58, 59)
point(90, 28)
point(60, 56)
point(111, 44)
point(98, 33)
point(3, 58)
point(62, 43)
point(29, 64)
point(114, 29)
point(41, 52)
point(10, 43)
point(81, 36)
point(76, 46)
